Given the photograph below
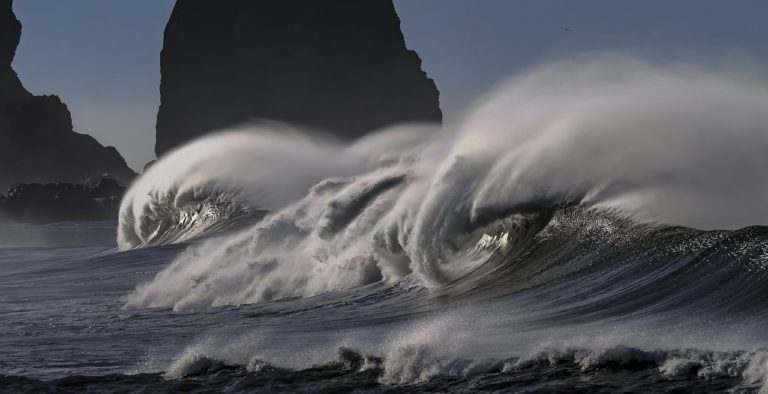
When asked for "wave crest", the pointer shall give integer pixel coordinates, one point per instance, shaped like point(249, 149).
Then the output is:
point(671, 145)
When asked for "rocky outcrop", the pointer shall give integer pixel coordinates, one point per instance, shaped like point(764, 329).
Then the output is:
point(97, 199)
point(10, 33)
point(340, 66)
point(37, 140)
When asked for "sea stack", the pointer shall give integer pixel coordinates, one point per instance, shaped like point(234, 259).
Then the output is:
point(337, 66)
point(37, 141)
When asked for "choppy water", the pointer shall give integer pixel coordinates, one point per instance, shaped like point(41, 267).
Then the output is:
point(620, 307)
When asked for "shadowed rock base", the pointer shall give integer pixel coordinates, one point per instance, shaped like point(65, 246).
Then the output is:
point(98, 199)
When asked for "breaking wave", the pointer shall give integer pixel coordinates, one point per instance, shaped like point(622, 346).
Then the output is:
point(561, 166)
point(426, 366)
point(215, 180)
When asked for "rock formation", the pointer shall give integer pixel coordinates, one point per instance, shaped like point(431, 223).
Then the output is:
point(97, 199)
point(37, 141)
point(340, 66)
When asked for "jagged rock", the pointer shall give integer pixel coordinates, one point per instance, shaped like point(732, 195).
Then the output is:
point(103, 188)
point(336, 65)
point(97, 199)
point(37, 141)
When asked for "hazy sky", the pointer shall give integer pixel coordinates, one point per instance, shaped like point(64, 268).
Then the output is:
point(102, 56)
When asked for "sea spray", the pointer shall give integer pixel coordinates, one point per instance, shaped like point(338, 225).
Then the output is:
point(674, 144)
point(261, 167)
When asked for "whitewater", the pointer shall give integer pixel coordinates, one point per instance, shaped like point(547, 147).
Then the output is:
point(592, 224)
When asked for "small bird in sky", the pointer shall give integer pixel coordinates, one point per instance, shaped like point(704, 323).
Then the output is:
point(565, 28)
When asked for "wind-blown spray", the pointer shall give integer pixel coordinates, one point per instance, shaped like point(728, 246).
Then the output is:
point(665, 145)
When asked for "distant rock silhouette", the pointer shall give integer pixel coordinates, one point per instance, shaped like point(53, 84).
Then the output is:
point(37, 141)
point(336, 65)
point(96, 199)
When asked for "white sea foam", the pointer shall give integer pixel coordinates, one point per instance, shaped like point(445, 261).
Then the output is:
point(448, 344)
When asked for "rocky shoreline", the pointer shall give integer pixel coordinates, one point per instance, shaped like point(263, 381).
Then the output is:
point(95, 199)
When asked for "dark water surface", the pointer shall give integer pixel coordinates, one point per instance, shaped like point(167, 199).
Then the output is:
point(563, 308)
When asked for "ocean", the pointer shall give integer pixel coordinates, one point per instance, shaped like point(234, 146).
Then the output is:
point(598, 233)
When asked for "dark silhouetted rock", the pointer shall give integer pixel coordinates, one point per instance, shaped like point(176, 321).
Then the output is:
point(336, 65)
point(97, 199)
point(37, 141)
point(103, 188)
point(10, 34)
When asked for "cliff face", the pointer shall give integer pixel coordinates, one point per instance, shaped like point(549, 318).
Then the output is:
point(336, 65)
point(37, 141)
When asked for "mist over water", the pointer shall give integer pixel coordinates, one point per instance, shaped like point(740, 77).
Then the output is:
point(55, 235)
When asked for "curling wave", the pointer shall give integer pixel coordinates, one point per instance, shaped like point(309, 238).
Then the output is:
point(605, 155)
point(202, 186)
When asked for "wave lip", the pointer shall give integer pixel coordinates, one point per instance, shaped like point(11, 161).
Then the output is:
point(201, 186)
point(246, 171)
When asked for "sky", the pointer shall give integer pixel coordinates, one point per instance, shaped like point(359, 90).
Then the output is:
point(102, 56)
